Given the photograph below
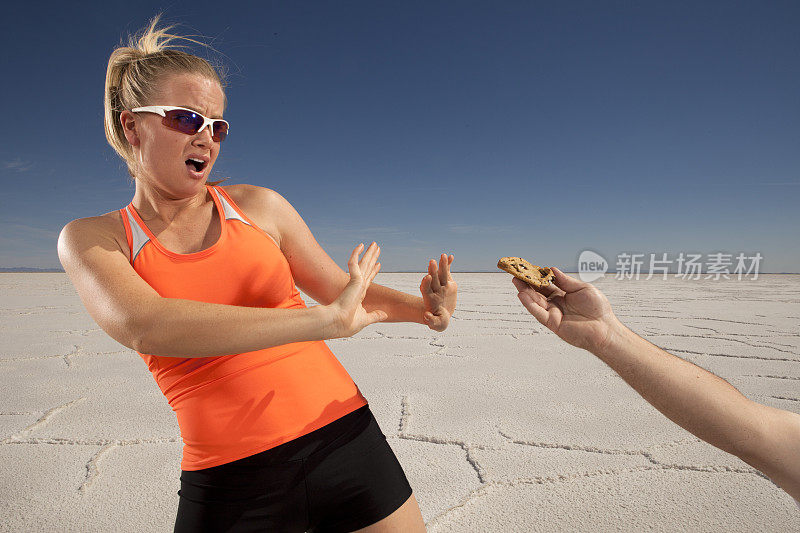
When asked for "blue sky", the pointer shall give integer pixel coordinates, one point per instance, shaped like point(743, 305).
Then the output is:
point(482, 129)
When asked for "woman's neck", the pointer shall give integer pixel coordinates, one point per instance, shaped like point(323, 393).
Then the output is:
point(157, 203)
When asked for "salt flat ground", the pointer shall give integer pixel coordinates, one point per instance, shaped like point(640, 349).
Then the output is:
point(499, 425)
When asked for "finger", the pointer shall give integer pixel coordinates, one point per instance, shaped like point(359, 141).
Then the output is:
point(547, 290)
point(369, 262)
point(352, 263)
point(368, 277)
point(555, 315)
point(448, 261)
point(538, 312)
point(435, 285)
point(557, 302)
point(521, 286)
point(370, 253)
point(375, 270)
point(376, 316)
point(538, 298)
point(425, 286)
point(444, 271)
point(524, 288)
point(357, 251)
point(567, 283)
point(370, 256)
point(434, 322)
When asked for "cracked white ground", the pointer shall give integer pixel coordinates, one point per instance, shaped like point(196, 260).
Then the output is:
point(499, 425)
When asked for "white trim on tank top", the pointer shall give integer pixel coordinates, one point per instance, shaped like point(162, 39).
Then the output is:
point(140, 238)
point(230, 212)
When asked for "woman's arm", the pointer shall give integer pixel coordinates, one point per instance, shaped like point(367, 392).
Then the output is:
point(316, 274)
point(135, 315)
point(399, 306)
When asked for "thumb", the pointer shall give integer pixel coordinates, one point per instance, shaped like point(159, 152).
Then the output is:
point(567, 283)
point(377, 316)
point(425, 286)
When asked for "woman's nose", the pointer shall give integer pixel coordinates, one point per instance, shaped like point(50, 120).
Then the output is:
point(205, 135)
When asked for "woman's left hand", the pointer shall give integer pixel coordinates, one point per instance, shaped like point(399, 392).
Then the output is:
point(439, 294)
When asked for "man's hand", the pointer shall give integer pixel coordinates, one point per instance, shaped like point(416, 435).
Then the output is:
point(575, 311)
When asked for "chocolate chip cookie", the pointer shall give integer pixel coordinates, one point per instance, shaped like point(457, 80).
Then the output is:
point(533, 275)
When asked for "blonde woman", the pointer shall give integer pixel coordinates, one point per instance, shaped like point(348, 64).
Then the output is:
point(202, 281)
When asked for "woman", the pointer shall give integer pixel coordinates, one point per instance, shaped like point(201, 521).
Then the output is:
point(200, 280)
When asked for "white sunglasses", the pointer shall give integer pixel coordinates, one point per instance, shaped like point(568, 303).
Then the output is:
point(187, 121)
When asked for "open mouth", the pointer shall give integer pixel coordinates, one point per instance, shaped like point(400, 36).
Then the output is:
point(194, 164)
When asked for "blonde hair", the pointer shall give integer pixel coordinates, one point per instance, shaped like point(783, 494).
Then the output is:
point(133, 76)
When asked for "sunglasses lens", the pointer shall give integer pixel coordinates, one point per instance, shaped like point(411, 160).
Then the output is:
point(190, 123)
point(183, 121)
point(220, 131)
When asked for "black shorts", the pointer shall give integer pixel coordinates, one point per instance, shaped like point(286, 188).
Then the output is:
point(341, 477)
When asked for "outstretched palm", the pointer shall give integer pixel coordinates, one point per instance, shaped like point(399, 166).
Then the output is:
point(575, 311)
point(439, 293)
point(350, 317)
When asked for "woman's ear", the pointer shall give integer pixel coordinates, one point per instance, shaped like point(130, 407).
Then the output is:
point(128, 122)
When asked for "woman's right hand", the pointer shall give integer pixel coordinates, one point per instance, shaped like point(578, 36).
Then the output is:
point(348, 316)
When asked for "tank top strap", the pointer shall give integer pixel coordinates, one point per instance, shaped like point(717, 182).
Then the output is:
point(134, 233)
point(138, 236)
point(229, 207)
point(234, 212)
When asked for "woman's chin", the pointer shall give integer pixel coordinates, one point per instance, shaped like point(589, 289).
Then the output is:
point(195, 175)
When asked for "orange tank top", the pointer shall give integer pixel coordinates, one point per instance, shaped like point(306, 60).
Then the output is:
point(233, 406)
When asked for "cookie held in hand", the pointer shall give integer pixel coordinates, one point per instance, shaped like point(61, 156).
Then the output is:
point(533, 275)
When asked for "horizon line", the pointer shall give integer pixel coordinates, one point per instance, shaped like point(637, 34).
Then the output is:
point(35, 270)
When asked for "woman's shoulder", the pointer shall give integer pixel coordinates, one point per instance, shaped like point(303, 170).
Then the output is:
point(260, 204)
point(246, 193)
point(107, 227)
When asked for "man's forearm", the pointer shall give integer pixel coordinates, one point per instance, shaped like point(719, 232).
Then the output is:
point(400, 307)
point(695, 399)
